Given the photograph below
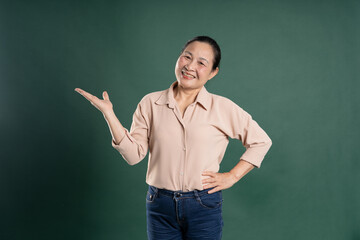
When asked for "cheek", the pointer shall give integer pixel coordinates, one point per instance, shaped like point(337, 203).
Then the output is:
point(178, 65)
point(203, 71)
point(181, 62)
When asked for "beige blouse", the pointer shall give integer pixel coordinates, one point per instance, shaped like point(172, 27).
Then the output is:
point(181, 148)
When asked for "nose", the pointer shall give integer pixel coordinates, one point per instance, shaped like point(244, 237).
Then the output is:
point(190, 65)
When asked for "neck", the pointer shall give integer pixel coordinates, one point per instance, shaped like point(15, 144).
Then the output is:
point(185, 95)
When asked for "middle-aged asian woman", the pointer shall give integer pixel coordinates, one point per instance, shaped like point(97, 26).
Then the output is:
point(186, 129)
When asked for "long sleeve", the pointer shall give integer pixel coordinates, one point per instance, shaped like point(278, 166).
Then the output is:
point(182, 147)
point(134, 145)
point(252, 136)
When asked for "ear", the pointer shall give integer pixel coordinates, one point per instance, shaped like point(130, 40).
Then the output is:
point(213, 73)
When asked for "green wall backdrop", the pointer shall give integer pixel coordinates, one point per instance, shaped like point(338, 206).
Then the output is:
point(293, 65)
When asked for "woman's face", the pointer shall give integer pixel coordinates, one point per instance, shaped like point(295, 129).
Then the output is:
point(194, 66)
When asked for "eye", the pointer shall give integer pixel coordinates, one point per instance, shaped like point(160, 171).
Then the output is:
point(201, 63)
point(187, 57)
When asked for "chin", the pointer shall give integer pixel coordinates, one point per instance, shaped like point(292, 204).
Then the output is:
point(188, 84)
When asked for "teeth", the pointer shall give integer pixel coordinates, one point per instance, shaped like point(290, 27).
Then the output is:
point(187, 74)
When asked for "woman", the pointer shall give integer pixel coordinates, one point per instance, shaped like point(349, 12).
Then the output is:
point(186, 130)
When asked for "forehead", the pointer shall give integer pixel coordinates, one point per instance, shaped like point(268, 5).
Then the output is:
point(200, 49)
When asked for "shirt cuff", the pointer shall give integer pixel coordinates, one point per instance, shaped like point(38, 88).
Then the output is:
point(121, 146)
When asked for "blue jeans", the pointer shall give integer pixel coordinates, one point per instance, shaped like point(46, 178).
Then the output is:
point(183, 215)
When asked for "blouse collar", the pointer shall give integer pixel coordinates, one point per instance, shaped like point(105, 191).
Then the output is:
point(167, 97)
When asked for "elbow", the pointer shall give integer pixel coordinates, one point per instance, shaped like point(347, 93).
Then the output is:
point(268, 142)
point(132, 163)
point(133, 160)
point(132, 154)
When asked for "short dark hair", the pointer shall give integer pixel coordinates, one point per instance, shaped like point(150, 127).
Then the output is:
point(214, 46)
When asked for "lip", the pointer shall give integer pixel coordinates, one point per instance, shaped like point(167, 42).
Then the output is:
point(186, 77)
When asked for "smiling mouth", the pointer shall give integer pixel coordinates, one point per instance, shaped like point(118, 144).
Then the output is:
point(187, 75)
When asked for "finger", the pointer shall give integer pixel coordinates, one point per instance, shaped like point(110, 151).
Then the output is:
point(208, 173)
point(209, 180)
point(79, 90)
point(210, 185)
point(214, 190)
point(87, 95)
point(105, 95)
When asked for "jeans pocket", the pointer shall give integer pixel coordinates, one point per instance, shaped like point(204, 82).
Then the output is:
point(213, 200)
point(151, 194)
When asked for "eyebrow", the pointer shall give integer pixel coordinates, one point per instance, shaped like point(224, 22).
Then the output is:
point(200, 57)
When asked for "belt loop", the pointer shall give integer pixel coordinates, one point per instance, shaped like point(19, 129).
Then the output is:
point(155, 189)
point(174, 195)
point(196, 195)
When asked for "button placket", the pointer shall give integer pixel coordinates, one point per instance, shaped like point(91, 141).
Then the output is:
point(184, 162)
point(187, 110)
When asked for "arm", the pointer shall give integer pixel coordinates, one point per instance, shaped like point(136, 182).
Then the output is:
point(116, 129)
point(105, 106)
point(241, 169)
point(226, 180)
point(240, 125)
point(133, 147)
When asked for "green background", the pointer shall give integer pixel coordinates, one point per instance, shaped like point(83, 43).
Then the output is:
point(293, 65)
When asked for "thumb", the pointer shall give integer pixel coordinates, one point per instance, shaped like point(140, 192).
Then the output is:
point(105, 95)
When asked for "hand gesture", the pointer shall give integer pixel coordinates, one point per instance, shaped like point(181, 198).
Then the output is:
point(104, 106)
point(218, 180)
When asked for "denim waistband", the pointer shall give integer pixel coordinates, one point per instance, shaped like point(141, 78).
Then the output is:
point(180, 193)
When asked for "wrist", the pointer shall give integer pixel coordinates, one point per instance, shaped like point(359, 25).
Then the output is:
point(234, 176)
point(108, 114)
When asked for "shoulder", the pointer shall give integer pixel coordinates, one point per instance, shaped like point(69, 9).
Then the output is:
point(226, 106)
point(224, 102)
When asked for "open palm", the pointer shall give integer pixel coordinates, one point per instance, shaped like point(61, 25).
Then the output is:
point(104, 105)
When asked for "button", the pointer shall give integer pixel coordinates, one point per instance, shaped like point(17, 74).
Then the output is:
point(178, 194)
point(184, 148)
point(182, 174)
